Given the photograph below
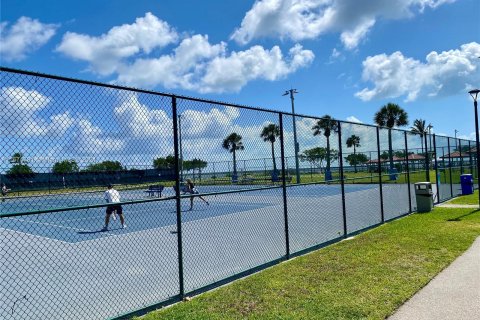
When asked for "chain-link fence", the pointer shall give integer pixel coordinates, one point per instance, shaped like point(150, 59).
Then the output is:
point(208, 192)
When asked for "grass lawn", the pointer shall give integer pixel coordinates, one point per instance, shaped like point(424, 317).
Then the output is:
point(367, 277)
point(470, 199)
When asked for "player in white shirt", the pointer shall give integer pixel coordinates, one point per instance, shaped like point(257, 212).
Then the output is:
point(112, 196)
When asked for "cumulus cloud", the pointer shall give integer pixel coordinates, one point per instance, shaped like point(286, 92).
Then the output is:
point(89, 139)
point(179, 69)
point(308, 19)
point(23, 37)
point(128, 51)
point(233, 72)
point(353, 119)
point(472, 136)
point(21, 108)
point(104, 53)
point(138, 120)
point(197, 65)
point(445, 73)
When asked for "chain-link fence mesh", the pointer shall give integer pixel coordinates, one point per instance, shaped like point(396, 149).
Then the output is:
point(205, 192)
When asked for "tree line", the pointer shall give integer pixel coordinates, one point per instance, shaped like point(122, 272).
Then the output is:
point(389, 116)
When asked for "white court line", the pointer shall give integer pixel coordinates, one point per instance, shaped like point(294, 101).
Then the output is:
point(267, 205)
point(36, 236)
point(53, 225)
point(183, 223)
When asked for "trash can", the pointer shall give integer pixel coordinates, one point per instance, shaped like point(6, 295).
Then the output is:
point(424, 196)
point(393, 172)
point(466, 180)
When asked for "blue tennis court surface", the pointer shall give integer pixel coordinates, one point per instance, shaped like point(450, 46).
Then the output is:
point(86, 224)
point(83, 225)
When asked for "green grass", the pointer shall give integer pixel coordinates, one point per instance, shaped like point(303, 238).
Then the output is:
point(368, 277)
point(470, 199)
point(367, 177)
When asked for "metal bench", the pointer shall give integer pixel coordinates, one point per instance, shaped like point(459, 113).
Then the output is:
point(155, 190)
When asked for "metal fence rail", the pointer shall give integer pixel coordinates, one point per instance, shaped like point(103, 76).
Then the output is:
point(257, 199)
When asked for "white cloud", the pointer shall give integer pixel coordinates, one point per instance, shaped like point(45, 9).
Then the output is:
point(20, 114)
point(445, 73)
point(336, 54)
point(105, 53)
point(353, 119)
point(233, 72)
point(138, 120)
point(89, 139)
point(351, 38)
point(308, 19)
point(470, 136)
point(214, 123)
point(128, 51)
point(197, 65)
point(180, 69)
point(23, 37)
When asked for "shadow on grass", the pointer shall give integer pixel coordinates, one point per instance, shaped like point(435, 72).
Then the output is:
point(459, 218)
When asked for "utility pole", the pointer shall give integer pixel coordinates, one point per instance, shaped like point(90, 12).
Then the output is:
point(291, 92)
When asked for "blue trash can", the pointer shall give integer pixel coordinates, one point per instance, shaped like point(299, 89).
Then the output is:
point(393, 174)
point(466, 180)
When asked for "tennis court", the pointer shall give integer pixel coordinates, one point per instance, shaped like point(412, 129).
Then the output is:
point(86, 224)
point(236, 232)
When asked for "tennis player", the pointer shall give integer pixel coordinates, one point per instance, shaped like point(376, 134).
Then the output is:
point(4, 190)
point(192, 190)
point(112, 196)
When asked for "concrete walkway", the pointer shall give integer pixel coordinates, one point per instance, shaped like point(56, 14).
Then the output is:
point(453, 294)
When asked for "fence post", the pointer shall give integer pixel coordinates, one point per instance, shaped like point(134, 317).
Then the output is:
point(177, 198)
point(460, 155)
point(437, 183)
point(408, 174)
point(214, 174)
point(450, 167)
point(380, 174)
point(427, 160)
point(470, 160)
point(284, 187)
point(340, 154)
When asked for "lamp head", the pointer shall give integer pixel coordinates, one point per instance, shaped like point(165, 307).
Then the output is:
point(474, 94)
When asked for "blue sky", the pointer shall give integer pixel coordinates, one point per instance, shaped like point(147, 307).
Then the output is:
point(346, 58)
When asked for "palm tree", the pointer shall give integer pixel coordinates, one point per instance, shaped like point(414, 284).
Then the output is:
point(17, 158)
point(270, 134)
point(391, 115)
point(354, 141)
point(420, 129)
point(327, 125)
point(232, 143)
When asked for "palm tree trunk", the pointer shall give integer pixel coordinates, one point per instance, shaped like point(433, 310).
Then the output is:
point(274, 162)
point(328, 154)
point(390, 148)
point(355, 158)
point(234, 163)
point(421, 138)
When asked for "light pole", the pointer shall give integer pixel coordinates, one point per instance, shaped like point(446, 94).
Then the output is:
point(291, 92)
point(180, 145)
point(474, 94)
point(429, 127)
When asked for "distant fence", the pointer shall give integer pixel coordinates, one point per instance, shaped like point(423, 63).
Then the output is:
point(267, 201)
